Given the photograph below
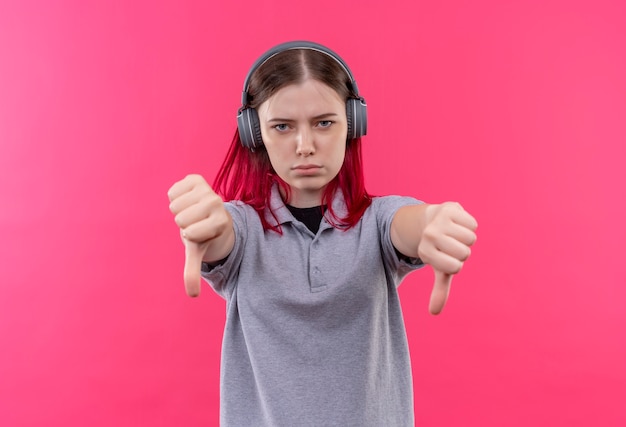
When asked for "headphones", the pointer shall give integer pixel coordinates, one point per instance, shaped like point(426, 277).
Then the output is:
point(248, 118)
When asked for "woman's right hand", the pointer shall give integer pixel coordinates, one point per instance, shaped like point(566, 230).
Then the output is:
point(205, 226)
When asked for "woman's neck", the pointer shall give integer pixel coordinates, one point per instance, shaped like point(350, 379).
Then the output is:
point(303, 198)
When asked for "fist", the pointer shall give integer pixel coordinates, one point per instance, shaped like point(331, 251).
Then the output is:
point(202, 218)
point(198, 211)
point(445, 245)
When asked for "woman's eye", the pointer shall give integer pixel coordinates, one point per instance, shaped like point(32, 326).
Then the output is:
point(325, 123)
point(281, 127)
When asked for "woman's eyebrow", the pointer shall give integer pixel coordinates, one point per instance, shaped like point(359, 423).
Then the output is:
point(318, 117)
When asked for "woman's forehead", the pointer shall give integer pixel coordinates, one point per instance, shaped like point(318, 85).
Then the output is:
point(307, 95)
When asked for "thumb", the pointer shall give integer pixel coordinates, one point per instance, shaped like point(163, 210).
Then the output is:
point(441, 290)
point(193, 264)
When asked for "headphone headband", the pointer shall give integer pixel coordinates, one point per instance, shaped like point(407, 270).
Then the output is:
point(292, 45)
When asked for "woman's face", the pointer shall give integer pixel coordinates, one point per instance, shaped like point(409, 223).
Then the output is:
point(304, 129)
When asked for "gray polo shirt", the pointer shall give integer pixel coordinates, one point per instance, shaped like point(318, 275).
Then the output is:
point(314, 333)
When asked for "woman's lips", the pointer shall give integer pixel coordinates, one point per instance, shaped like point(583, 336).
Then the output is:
point(306, 169)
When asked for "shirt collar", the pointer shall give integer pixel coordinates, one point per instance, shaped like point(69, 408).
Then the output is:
point(283, 215)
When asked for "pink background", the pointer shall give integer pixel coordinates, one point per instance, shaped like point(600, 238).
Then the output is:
point(517, 109)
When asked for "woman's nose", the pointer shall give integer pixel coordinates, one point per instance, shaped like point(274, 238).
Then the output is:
point(306, 146)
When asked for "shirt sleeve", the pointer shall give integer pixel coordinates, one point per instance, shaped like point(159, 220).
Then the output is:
point(223, 276)
point(395, 262)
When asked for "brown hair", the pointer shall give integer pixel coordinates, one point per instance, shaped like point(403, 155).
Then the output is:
point(295, 66)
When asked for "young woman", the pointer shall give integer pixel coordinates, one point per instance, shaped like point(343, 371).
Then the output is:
point(307, 261)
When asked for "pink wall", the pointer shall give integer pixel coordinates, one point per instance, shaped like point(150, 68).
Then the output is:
point(517, 109)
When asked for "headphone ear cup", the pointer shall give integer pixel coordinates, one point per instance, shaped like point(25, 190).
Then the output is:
point(249, 128)
point(356, 113)
point(350, 118)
